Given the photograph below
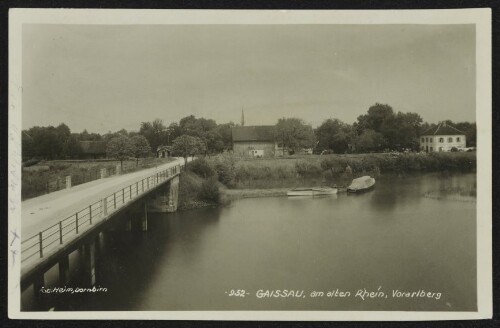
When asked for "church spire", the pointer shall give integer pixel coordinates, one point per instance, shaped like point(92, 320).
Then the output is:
point(242, 117)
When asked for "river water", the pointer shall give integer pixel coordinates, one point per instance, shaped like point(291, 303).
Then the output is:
point(391, 240)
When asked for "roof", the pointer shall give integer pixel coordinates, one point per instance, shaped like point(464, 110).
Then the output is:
point(163, 147)
point(442, 129)
point(93, 147)
point(253, 133)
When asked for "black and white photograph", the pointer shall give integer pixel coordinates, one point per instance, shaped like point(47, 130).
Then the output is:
point(319, 165)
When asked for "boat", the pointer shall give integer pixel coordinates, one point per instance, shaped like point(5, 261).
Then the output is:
point(364, 183)
point(316, 191)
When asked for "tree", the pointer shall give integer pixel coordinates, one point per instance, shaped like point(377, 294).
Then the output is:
point(377, 114)
point(120, 147)
point(187, 146)
point(72, 148)
point(141, 147)
point(213, 142)
point(294, 134)
point(369, 140)
point(470, 132)
point(155, 132)
point(335, 135)
point(224, 130)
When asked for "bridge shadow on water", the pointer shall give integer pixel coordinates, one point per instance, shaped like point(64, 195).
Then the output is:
point(126, 261)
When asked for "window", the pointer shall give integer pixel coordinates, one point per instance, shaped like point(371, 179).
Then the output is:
point(458, 139)
point(441, 140)
point(450, 139)
point(430, 139)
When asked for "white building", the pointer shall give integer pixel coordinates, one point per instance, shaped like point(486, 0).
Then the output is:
point(443, 137)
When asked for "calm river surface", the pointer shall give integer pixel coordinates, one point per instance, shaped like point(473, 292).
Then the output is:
point(392, 237)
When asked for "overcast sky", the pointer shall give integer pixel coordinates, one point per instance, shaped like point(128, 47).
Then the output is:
point(104, 78)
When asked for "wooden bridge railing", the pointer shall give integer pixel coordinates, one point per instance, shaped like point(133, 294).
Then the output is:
point(38, 245)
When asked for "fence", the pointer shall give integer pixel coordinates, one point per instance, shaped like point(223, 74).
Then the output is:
point(55, 235)
point(35, 185)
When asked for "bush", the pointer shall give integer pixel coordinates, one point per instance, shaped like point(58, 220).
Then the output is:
point(307, 168)
point(209, 190)
point(201, 168)
point(225, 173)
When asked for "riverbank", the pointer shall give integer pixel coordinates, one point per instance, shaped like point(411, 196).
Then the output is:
point(222, 178)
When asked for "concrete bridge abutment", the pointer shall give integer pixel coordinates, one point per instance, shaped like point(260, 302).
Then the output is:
point(166, 200)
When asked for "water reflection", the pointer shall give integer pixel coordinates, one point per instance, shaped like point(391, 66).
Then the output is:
point(391, 237)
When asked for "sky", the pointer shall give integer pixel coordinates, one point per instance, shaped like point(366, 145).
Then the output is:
point(108, 77)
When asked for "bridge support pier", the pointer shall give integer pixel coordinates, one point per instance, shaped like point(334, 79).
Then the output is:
point(144, 218)
point(37, 285)
point(173, 195)
point(166, 200)
point(63, 270)
point(88, 262)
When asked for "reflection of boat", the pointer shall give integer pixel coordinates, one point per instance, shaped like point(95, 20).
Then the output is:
point(312, 191)
point(361, 184)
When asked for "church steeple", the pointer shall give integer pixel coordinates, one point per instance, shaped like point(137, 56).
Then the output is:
point(242, 118)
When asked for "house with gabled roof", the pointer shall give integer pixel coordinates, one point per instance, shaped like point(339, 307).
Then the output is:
point(442, 137)
point(255, 141)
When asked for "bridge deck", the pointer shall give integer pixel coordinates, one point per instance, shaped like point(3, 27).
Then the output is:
point(45, 213)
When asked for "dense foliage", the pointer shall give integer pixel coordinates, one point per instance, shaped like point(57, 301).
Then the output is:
point(380, 129)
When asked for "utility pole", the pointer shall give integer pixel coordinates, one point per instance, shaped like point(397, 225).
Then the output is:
point(242, 117)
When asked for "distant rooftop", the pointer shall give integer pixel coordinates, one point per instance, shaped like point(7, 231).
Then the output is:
point(253, 133)
point(442, 129)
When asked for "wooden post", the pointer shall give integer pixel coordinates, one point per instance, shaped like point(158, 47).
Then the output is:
point(130, 191)
point(114, 199)
point(68, 181)
point(89, 263)
point(123, 195)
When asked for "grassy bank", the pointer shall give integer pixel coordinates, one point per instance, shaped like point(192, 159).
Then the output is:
point(49, 176)
point(196, 191)
point(215, 180)
point(328, 169)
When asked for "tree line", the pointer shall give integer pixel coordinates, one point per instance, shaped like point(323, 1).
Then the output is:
point(381, 128)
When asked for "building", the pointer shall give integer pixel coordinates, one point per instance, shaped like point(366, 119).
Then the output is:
point(255, 141)
point(443, 137)
point(164, 151)
point(93, 149)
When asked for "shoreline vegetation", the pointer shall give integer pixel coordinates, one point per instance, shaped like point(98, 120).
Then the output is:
point(213, 181)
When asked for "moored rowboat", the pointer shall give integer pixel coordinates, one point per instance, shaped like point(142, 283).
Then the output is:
point(311, 191)
point(361, 184)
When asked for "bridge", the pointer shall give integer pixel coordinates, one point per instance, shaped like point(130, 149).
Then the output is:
point(56, 224)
